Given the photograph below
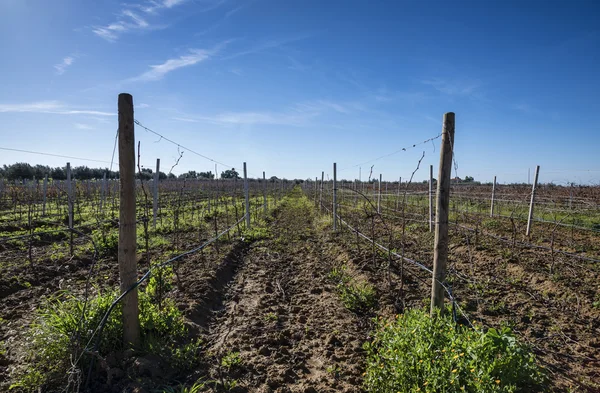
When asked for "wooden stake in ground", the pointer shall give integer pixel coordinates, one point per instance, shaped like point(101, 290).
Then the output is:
point(493, 197)
point(321, 194)
point(430, 198)
point(155, 193)
point(246, 197)
point(440, 251)
point(127, 234)
point(265, 193)
point(379, 196)
point(70, 205)
point(530, 217)
point(334, 197)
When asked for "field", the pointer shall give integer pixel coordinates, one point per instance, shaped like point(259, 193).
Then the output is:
point(288, 304)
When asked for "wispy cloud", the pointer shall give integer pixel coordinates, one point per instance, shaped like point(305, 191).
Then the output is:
point(455, 87)
point(153, 6)
point(63, 65)
point(133, 17)
point(53, 107)
point(128, 20)
point(193, 57)
point(296, 115)
point(81, 126)
point(250, 118)
point(142, 106)
point(270, 44)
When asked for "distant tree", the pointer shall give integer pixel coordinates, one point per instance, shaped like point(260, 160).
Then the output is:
point(468, 179)
point(18, 171)
point(171, 176)
point(162, 176)
point(273, 179)
point(58, 173)
point(189, 175)
point(145, 174)
point(206, 175)
point(230, 174)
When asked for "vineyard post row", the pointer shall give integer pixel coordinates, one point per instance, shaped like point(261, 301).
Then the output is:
point(127, 216)
point(440, 257)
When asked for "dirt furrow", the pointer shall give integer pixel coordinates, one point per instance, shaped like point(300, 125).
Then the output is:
point(283, 327)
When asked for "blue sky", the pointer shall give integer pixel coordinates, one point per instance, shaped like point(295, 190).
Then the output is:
point(292, 86)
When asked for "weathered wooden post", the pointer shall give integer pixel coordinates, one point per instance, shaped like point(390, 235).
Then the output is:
point(246, 197)
point(265, 193)
point(334, 197)
point(70, 205)
point(155, 193)
point(440, 251)
point(430, 198)
point(321, 193)
point(530, 217)
point(45, 195)
point(493, 197)
point(127, 224)
point(398, 192)
point(379, 196)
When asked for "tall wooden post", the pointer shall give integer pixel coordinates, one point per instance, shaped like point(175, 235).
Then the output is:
point(45, 195)
point(493, 197)
point(127, 233)
point(430, 198)
point(334, 197)
point(398, 191)
point(379, 196)
point(316, 188)
point(440, 251)
point(530, 217)
point(246, 197)
point(155, 193)
point(265, 193)
point(70, 205)
point(321, 193)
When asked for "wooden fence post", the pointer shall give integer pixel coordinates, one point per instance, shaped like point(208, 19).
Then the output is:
point(321, 193)
point(398, 192)
point(70, 205)
point(45, 195)
point(493, 197)
point(155, 193)
point(530, 217)
point(246, 197)
point(379, 196)
point(265, 193)
point(440, 251)
point(334, 196)
point(430, 198)
point(127, 224)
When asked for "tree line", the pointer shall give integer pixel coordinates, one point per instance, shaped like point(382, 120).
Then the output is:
point(25, 171)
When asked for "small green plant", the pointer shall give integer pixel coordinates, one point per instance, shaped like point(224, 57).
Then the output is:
point(357, 297)
point(64, 324)
point(231, 360)
point(106, 241)
point(197, 387)
point(256, 233)
point(417, 353)
point(596, 303)
point(339, 274)
point(271, 317)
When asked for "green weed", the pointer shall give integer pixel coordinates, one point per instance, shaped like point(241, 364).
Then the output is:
point(416, 353)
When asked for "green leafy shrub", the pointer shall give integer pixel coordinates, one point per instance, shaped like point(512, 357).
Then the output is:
point(416, 353)
point(59, 334)
point(106, 241)
point(357, 297)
